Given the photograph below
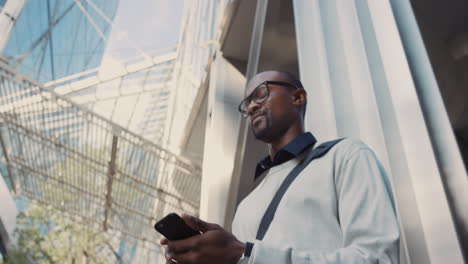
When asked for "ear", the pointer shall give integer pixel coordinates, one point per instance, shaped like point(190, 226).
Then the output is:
point(300, 97)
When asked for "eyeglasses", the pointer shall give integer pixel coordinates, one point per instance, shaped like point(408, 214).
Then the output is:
point(259, 95)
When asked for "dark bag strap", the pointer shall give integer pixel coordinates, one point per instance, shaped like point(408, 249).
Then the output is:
point(311, 155)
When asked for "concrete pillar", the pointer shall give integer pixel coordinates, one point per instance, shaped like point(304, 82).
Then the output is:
point(355, 69)
point(8, 214)
point(221, 136)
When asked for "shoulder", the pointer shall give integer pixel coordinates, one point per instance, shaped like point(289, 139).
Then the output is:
point(348, 147)
point(349, 152)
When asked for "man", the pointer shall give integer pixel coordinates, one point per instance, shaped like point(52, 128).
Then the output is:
point(339, 209)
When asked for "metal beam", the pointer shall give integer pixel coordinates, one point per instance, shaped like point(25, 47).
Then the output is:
point(90, 20)
point(257, 38)
point(97, 198)
point(145, 143)
point(109, 21)
point(134, 179)
point(51, 47)
point(110, 179)
point(42, 37)
point(88, 219)
point(130, 68)
point(119, 76)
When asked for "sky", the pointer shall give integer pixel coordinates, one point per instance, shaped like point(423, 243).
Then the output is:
point(148, 24)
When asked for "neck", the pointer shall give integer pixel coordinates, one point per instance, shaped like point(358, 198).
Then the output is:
point(291, 133)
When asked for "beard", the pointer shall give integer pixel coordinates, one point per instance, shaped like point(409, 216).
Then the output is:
point(268, 128)
point(261, 134)
point(262, 128)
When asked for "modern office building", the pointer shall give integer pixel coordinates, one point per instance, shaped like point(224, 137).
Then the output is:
point(115, 167)
point(392, 73)
point(45, 40)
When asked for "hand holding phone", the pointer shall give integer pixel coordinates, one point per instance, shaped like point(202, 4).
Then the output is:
point(173, 227)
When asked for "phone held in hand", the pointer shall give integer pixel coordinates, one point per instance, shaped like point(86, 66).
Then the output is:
point(173, 227)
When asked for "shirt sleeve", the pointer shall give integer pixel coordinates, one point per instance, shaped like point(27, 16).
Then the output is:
point(367, 218)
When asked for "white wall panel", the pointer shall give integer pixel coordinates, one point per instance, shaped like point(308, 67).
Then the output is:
point(226, 90)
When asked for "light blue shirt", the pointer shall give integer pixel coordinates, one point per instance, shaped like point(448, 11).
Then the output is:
point(340, 209)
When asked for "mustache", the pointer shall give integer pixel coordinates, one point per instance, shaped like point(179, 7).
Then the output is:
point(257, 113)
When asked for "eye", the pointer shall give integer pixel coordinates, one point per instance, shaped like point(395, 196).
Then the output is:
point(246, 103)
point(260, 92)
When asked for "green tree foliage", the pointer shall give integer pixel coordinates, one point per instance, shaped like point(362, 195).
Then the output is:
point(45, 235)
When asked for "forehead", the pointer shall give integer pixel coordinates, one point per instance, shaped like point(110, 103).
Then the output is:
point(262, 77)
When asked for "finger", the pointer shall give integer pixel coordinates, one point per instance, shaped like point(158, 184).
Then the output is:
point(169, 258)
point(189, 257)
point(163, 241)
point(198, 224)
point(167, 254)
point(181, 246)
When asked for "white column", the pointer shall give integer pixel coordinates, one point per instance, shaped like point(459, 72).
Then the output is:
point(222, 131)
point(7, 214)
point(356, 73)
point(434, 213)
point(440, 130)
point(313, 68)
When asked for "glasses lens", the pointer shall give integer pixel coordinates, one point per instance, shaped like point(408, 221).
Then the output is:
point(244, 106)
point(260, 93)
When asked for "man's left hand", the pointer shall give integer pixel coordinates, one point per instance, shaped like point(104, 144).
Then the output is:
point(214, 245)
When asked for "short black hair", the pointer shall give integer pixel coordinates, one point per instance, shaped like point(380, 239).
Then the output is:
point(291, 77)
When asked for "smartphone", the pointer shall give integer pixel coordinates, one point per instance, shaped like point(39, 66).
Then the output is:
point(173, 227)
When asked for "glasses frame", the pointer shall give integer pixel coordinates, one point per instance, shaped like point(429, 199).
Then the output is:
point(266, 83)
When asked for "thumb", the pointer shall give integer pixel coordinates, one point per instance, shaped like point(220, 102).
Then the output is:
point(198, 224)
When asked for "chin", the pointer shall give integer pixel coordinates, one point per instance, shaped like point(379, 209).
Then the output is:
point(262, 134)
point(262, 130)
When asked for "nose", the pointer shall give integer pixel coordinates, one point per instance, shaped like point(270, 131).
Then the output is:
point(252, 107)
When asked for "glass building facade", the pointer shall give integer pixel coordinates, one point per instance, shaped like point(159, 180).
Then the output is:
point(56, 38)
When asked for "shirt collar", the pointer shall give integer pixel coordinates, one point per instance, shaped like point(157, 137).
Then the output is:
point(288, 152)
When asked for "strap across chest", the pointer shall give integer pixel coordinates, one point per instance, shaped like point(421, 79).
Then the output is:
point(310, 155)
